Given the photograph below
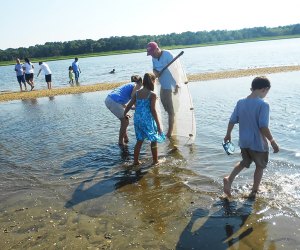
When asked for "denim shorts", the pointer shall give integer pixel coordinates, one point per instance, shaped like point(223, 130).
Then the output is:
point(76, 73)
point(21, 78)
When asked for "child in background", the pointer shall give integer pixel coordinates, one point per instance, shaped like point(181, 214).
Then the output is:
point(71, 76)
point(252, 115)
point(146, 122)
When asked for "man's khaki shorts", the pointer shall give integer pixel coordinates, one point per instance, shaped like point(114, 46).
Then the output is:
point(166, 100)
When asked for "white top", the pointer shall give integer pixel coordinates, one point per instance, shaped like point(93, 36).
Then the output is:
point(45, 68)
point(166, 79)
point(28, 68)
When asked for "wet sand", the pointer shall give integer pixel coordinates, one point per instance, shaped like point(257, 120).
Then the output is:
point(8, 96)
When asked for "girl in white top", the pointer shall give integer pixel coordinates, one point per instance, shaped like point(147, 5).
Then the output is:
point(29, 70)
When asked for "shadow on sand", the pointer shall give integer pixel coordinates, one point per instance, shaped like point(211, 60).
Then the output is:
point(115, 173)
point(219, 230)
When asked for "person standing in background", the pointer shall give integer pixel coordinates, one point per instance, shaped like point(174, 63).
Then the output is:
point(47, 71)
point(76, 70)
point(29, 72)
point(20, 74)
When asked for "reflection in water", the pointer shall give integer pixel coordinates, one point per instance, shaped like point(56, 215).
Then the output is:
point(32, 101)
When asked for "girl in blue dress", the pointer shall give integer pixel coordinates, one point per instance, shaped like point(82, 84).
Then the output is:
point(146, 122)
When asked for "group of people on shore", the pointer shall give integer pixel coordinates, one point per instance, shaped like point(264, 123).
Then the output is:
point(251, 113)
point(25, 73)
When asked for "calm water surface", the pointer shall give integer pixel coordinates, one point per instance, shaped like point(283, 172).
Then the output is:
point(196, 60)
point(65, 183)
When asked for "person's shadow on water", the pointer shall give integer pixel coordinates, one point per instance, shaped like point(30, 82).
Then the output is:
point(220, 229)
point(102, 164)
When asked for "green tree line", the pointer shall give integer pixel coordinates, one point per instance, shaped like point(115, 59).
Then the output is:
point(115, 43)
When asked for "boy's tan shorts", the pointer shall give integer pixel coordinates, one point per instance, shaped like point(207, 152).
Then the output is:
point(166, 100)
point(259, 158)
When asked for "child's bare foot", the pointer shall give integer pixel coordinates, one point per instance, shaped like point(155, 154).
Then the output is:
point(227, 186)
point(252, 195)
point(155, 163)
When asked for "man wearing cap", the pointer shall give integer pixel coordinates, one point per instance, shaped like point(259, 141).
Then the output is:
point(161, 58)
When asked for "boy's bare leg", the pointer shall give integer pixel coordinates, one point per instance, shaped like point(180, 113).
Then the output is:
point(227, 181)
point(257, 178)
point(137, 149)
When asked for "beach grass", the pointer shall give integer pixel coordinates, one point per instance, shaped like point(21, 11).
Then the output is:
point(8, 96)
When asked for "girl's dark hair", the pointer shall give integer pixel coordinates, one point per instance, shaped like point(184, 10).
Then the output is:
point(148, 81)
point(260, 82)
point(26, 60)
point(70, 67)
point(136, 78)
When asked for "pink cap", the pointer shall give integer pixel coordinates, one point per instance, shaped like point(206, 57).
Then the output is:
point(151, 47)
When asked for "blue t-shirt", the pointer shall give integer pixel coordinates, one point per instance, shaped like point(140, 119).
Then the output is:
point(251, 114)
point(122, 94)
point(19, 69)
point(166, 79)
point(75, 66)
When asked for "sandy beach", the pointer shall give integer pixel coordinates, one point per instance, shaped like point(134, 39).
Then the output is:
point(8, 96)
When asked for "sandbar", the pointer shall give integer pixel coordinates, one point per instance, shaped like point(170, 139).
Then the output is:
point(8, 96)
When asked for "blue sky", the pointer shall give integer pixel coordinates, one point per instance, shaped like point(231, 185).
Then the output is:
point(31, 22)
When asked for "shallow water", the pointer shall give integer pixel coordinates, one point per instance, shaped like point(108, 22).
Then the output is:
point(196, 60)
point(66, 184)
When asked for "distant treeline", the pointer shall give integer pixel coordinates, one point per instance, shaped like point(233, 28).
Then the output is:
point(115, 43)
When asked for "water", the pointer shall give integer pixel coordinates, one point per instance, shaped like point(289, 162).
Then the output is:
point(196, 60)
point(64, 182)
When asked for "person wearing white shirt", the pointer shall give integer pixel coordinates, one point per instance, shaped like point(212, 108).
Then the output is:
point(29, 72)
point(47, 72)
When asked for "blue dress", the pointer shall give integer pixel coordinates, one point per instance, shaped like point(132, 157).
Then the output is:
point(144, 124)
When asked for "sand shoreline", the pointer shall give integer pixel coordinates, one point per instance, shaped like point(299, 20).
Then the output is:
point(9, 96)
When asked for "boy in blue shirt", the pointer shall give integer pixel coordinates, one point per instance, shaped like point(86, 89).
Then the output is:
point(252, 115)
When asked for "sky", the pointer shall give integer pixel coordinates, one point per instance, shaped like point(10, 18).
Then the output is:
point(31, 22)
